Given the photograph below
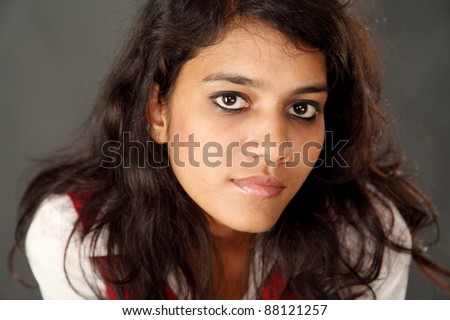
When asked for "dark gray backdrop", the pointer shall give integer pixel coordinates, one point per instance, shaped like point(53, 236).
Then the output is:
point(54, 53)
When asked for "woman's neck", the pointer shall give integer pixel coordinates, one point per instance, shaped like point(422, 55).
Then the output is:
point(230, 268)
point(230, 261)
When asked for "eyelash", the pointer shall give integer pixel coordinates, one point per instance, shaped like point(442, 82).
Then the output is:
point(238, 95)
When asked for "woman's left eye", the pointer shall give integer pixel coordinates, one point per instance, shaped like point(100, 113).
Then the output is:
point(303, 110)
point(229, 101)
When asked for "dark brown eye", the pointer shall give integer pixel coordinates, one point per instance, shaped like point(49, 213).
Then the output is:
point(300, 109)
point(303, 110)
point(229, 99)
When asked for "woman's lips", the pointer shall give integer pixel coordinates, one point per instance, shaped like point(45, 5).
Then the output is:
point(260, 186)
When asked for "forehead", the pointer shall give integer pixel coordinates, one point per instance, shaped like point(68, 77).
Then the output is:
point(258, 33)
point(256, 49)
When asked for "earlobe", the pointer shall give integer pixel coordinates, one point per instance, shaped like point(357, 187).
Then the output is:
point(156, 115)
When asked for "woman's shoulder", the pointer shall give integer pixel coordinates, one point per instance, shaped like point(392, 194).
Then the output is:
point(392, 280)
point(55, 216)
point(55, 252)
point(392, 221)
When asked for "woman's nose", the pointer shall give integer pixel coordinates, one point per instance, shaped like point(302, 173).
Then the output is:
point(270, 136)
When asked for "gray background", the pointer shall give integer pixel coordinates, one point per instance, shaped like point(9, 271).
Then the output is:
point(54, 54)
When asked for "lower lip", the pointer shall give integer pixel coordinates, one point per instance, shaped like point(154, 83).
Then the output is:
point(259, 191)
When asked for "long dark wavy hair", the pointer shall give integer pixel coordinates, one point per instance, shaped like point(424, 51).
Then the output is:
point(153, 228)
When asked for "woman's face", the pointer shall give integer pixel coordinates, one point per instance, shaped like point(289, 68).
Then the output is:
point(245, 126)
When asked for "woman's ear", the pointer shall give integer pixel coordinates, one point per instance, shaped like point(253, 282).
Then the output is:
point(156, 115)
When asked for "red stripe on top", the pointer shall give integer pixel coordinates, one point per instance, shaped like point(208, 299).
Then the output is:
point(169, 293)
point(275, 287)
point(78, 199)
point(102, 264)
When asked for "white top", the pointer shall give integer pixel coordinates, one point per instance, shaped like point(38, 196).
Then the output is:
point(53, 223)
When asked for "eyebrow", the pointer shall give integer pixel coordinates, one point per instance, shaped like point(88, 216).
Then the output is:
point(244, 81)
point(234, 78)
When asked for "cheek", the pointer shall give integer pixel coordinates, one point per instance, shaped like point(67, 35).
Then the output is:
point(308, 146)
point(197, 152)
point(198, 140)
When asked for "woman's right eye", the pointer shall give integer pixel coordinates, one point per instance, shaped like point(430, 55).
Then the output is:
point(230, 102)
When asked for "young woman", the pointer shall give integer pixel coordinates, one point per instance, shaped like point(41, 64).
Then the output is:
point(237, 150)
